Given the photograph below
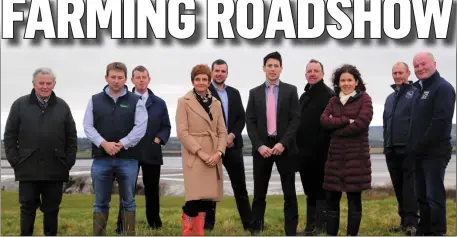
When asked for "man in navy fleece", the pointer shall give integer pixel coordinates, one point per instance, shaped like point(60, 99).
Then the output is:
point(431, 146)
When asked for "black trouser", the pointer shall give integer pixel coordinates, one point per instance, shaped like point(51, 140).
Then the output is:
point(354, 201)
point(401, 169)
point(312, 178)
point(354, 212)
point(192, 208)
point(262, 173)
point(44, 194)
point(234, 164)
point(151, 182)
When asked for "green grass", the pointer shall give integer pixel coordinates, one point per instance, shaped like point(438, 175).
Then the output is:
point(75, 218)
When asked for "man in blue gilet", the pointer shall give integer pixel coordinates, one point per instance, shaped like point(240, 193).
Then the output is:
point(115, 121)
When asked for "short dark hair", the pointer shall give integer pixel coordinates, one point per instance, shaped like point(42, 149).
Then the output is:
point(219, 62)
point(118, 66)
point(140, 69)
point(315, 61)
point(347, 68)
point(274, 55)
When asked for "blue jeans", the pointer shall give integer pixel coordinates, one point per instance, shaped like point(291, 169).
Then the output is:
point(431, 194)
point(103, 173)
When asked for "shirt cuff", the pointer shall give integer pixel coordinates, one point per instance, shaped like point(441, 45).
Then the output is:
point(99, 141)
point(125, 142)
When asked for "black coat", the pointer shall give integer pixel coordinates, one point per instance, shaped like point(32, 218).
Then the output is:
point(40, 144)
point(312, 139)
point(237, 117)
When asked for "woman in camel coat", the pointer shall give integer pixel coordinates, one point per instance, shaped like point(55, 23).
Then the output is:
point(202, 133)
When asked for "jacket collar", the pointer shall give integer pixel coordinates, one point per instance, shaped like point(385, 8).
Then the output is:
point(427, 82)
point(34, 100)
point(310, 87)
point(404, 85)
point(150, 93)
point(151, 98)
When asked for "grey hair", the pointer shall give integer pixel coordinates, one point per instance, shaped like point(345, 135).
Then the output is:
point(44, 71)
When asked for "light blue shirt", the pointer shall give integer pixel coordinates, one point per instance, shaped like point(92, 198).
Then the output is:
point(224, 99)
point(225, 104)
point(135, 135)
point(275, 92)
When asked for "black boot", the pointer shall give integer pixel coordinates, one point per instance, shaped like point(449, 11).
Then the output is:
point(333, 223)
point(354, 219)
point(210, 218)
point(310, 219)
point(321, 210)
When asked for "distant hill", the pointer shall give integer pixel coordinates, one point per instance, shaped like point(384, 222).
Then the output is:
point(173, 146)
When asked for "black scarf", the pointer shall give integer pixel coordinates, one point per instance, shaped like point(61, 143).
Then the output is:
point(205, 102)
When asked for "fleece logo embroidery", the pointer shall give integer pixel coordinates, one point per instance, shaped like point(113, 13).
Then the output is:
point(425, 95)
point(409, 94)
point(124, 106)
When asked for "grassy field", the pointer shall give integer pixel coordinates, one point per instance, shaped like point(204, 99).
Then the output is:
point(379, 213)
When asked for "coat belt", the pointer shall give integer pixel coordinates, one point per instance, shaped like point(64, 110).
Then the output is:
point(213, 136)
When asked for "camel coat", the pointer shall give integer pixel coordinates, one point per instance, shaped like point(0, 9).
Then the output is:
point(196, 131)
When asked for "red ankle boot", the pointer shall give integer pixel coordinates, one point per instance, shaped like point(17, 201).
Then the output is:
point(187, 225)
point(199, 224)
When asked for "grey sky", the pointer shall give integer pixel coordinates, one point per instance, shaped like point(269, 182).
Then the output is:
point(80, 69)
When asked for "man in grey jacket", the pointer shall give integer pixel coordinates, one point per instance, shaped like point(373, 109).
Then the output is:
point(40, 143)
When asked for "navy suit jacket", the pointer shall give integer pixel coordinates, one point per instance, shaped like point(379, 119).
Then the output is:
point(158, 126)
point(236, 114)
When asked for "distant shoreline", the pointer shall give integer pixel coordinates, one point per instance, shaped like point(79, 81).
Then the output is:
point(174, 154)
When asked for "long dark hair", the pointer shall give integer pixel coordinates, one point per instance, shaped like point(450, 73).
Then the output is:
point(347, 68)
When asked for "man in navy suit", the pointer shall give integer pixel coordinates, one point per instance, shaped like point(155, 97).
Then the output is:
point(234, 117)
point(150, 157)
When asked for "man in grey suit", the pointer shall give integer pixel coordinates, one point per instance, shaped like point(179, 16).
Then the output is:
point(272, 120)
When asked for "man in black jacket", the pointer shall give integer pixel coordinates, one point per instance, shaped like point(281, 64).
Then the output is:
point(272, 120)
point(398, 109)
point(150, 147)
point(41, 143)
point(431, 143)
point(234, 117)
point(313, 142)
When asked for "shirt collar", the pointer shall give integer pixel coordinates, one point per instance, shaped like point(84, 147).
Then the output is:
point(267, 83)
point(215, 87)
point(45, 100)
point(123, 93)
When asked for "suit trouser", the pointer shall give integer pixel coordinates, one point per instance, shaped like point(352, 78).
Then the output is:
point(312, 176)
point(401, 170)
point(431, 194)
point(151, 182)
point(234, 164)
point(262, 173)
point(44, 194)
